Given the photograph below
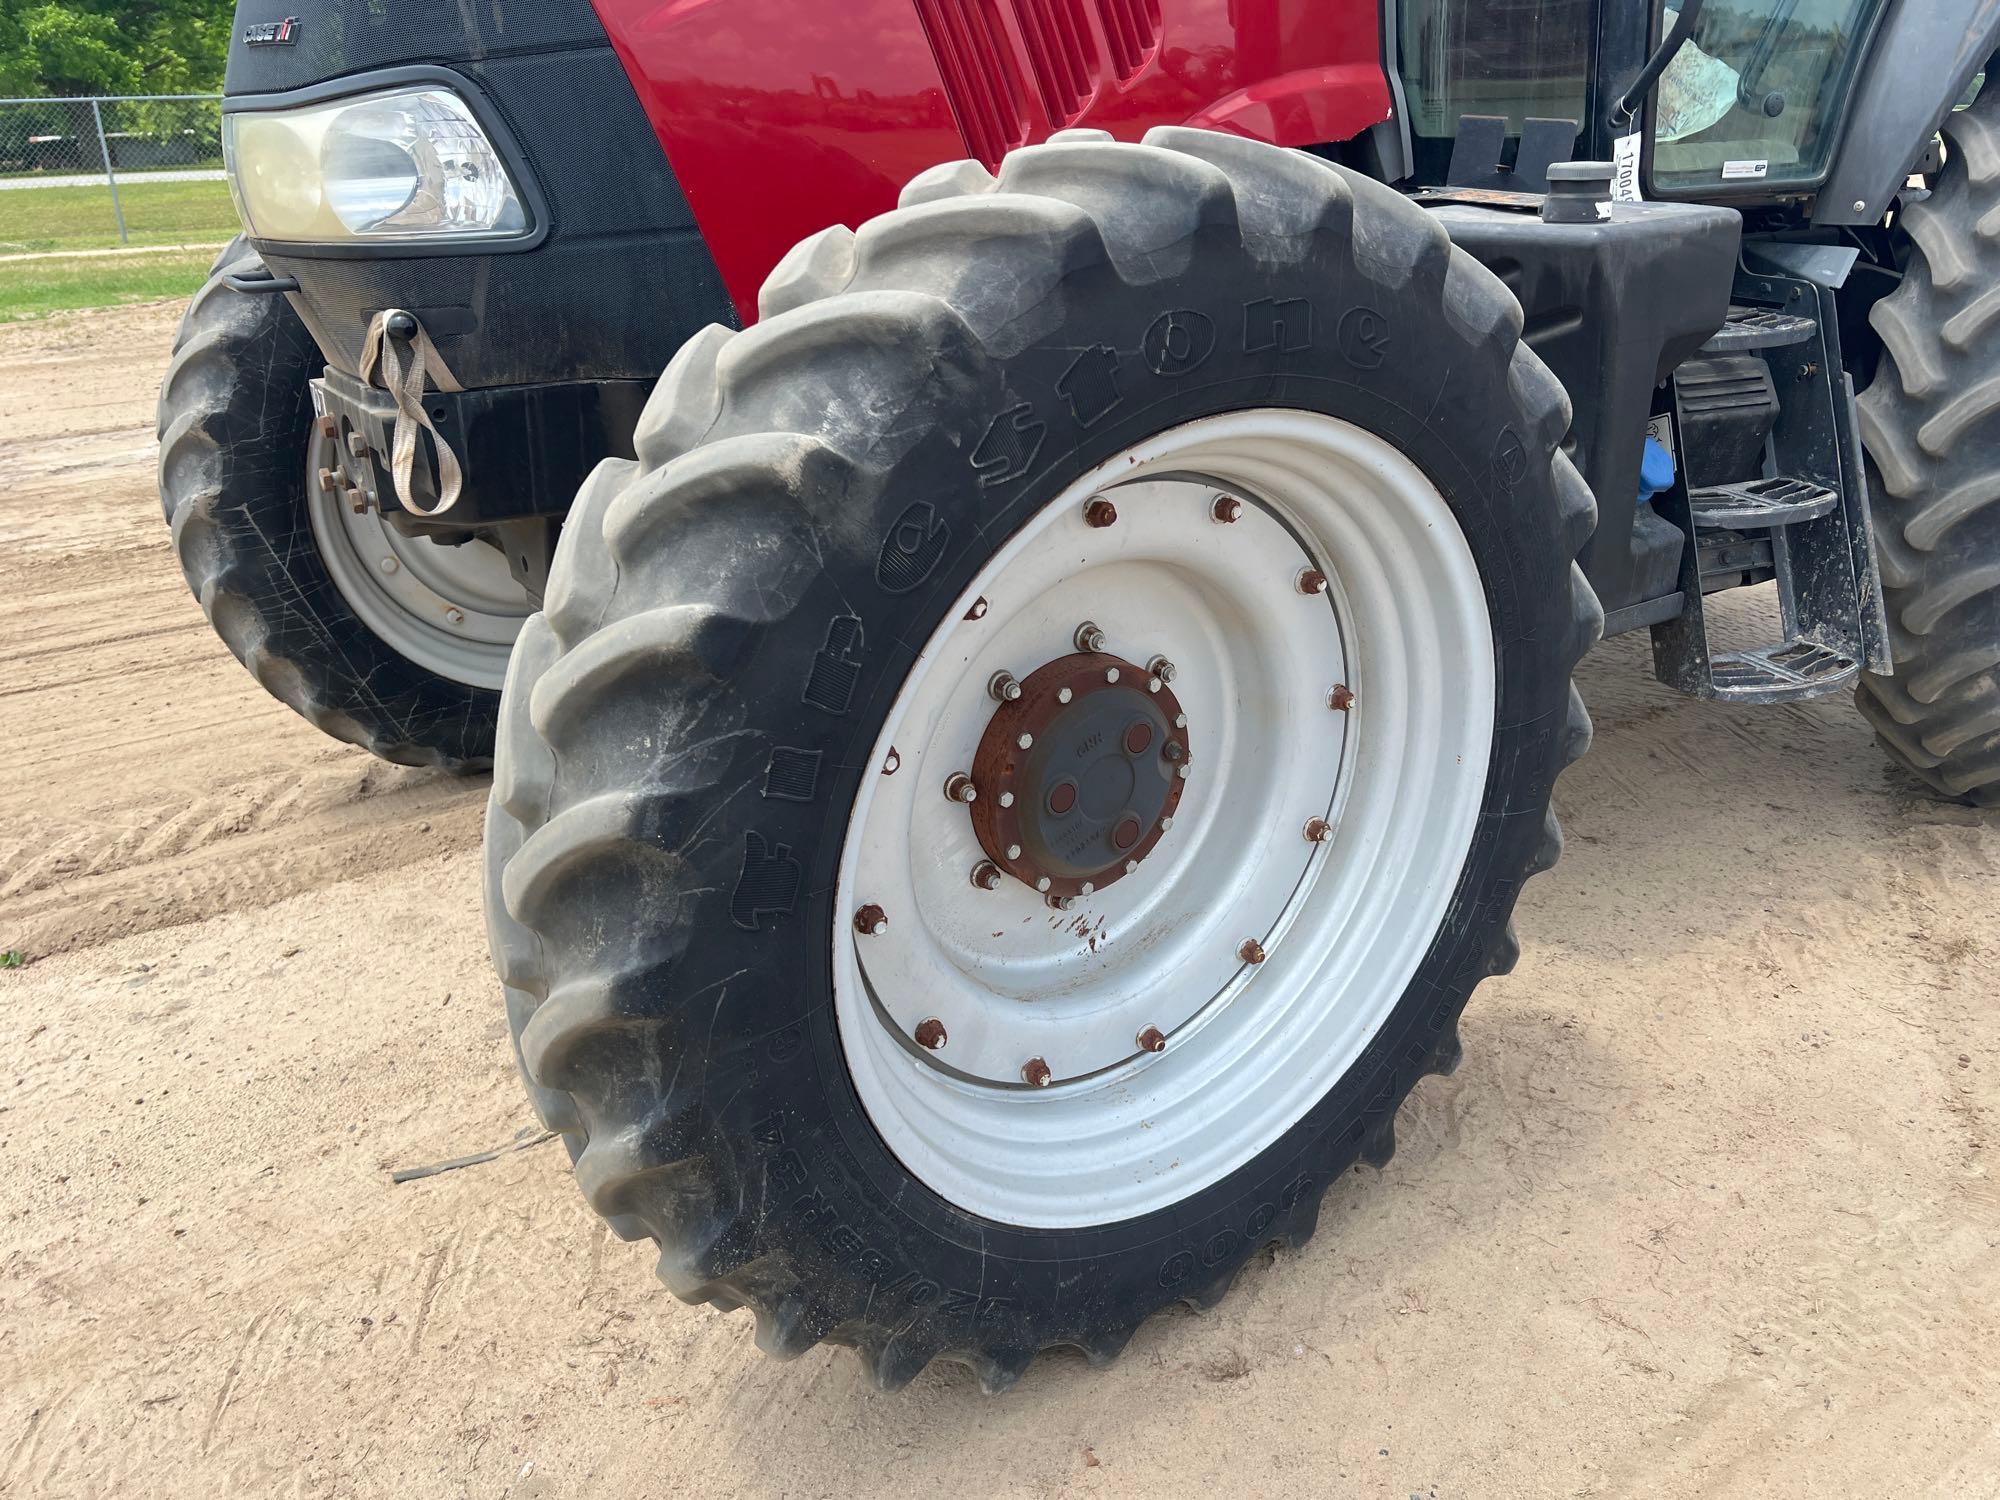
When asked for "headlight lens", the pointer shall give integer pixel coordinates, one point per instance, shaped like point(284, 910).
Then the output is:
point(397, 166)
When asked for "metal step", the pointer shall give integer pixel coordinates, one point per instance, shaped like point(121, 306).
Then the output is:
point(1760, 502)
point(1758, 328)
point(1771, 674)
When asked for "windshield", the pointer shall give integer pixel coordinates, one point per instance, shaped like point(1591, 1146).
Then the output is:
point(1754, 96)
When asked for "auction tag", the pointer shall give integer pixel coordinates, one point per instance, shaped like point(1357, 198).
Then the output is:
point(1625, 169)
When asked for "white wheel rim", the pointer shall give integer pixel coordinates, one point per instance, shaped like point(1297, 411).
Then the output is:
point(453, 610)
point(1398, 776)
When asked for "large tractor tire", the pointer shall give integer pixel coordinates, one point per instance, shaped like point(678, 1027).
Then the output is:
point(393, 643)
point(1018, 780)
point(1930, 421)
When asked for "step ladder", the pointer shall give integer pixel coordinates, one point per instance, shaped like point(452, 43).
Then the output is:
point(1769, 486)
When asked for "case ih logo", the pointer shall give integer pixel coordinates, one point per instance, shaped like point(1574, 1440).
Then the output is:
point(272, 33)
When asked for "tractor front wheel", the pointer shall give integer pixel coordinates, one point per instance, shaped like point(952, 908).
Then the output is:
point(1018, 780)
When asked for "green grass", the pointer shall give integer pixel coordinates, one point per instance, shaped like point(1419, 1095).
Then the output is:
point(33, 288)
point(80, 218)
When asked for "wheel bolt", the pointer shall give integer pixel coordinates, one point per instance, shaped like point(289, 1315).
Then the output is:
point(328, 480)
point(871, 921)
point(1311, 581)
point(930, 1033)
point(1089, 637)
point(1060, 903)
point(357, 501)
point(1063, 695)
point(1318, 830)
point(1100, 513)
point(978, 610)
point(1161, 668)
point(1014, 852)
point(390, 565)
point(1165, 824)
point(1341, 699)
point(1003, 687)
point(1150, 1040)
point(1174, 750)
point(1042, 882)
point(986, 875)
point(1006, 799)
point(1023, 740)
point(1110, 674)
point(1086, 889)
point(1226, 509)
point(1251, 951)
point(329, 427)
point(455, 615)
point(958, 786)
point(1035, 1073)
point(1131, 866)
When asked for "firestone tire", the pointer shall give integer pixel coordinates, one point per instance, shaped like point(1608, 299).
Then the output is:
point(662, 887)
point(1928, 421)
point(235, 425)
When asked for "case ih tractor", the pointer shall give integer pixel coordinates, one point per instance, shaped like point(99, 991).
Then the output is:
point(1011, 754)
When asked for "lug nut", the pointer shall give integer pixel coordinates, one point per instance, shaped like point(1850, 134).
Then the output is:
point(1063, 695)
point(930, 1033)
point(958, 786)
point(1131, 866)
point(328, 480)
point(1174, 751)
point(1318, 830)
point(1226, 509)
point(1003, 688)
point(892, 762)
point(1251, 951)
point(357, 445)
point(871, 921)
point(1100, 513)
point(1311, 581)
point(1006, 799)
point(1089, 637)
point(1042, 882)
point(1341, 699)
point(1035, 1073)
point(978, 610)
point(986, 875)
point(1161, 668)
point(1023, 740)
point(1150, 1040)
point(1165, 824)
point(455, 615)
point(1086, 889)
point(1180, 720)
point(1060, 903)
point(329, 427)
point(357, 501)
point(1014, 852)
point(1110, 674)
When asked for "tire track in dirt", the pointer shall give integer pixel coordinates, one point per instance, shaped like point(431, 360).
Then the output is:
point(145, 779)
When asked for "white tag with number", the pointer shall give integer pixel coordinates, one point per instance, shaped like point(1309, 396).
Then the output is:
point(1625, 169)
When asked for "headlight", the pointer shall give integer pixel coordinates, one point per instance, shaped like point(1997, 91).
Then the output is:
point(398, 166)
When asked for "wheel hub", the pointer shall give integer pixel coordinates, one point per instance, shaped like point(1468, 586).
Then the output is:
point(1078, 777)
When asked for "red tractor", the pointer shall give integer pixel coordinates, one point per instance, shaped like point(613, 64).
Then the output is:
point(1011, 755)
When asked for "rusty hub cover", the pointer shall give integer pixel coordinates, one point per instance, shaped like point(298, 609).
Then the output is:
point(1100, 775)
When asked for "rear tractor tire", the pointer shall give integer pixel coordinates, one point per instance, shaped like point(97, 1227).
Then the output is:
point(1017, 782)
point(393, 643)
point(1930, 421)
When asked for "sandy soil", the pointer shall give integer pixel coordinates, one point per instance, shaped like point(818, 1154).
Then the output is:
point(1709, 1209)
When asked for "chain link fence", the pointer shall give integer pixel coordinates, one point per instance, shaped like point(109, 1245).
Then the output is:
point(92, 167)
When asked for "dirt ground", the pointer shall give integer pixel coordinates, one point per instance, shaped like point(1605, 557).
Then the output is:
point(1709, 1209)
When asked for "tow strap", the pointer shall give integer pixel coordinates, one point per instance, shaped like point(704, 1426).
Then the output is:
point(405, 385)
